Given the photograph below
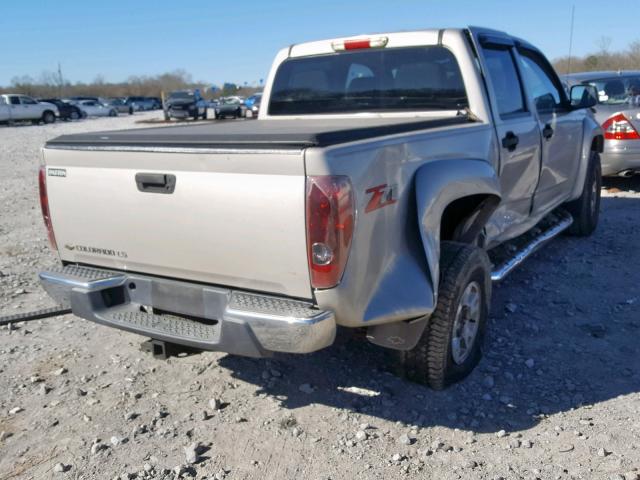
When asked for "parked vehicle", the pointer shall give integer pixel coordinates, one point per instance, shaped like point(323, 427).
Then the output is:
point(378, 180)
point(229, 107)
point(183, 104)
point(82, 98)
point(140, 103)
point(16, 107)
point(156, 103)
point(96, 109)
point(120, 105)
point(252, 105)
point(618, 111)
point(67, 111)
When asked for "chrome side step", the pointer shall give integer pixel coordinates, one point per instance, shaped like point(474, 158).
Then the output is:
point(547, 229)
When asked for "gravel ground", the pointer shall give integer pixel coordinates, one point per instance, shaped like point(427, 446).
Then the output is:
point(555, 397)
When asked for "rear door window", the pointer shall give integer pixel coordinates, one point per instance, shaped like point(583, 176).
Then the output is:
point(14, 100)
point(376, 80)
point(505, 80)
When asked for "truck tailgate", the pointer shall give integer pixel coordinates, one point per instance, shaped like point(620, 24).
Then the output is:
point(235, 218)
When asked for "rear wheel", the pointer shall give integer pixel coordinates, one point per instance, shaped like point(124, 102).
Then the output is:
point(48, 117)
point(74, 115)
point(586, 208)
point(113, 113)
point(451, 345)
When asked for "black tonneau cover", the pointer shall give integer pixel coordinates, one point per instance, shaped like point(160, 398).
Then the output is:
point(256, 133)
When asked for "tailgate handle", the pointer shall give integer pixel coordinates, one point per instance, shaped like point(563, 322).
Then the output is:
point(156, 182)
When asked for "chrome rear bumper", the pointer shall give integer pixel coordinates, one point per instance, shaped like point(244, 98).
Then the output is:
point(199, 316)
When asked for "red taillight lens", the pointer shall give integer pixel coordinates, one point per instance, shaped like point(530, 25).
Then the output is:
point(44, 204)
point(619, 127)
point(330, 220)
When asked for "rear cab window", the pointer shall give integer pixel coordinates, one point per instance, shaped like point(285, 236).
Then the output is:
point(382, 80)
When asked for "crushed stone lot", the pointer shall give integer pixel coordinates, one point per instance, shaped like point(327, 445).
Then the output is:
point(556, 396)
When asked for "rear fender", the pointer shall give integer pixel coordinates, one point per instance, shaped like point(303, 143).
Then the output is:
point(437, 185)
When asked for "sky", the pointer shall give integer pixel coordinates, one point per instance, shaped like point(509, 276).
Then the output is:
point(237, 41)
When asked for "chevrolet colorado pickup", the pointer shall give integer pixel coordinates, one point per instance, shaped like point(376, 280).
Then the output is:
point(377, 190)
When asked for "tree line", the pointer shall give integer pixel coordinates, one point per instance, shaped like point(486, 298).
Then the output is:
point(602, 59)
point(53, 84)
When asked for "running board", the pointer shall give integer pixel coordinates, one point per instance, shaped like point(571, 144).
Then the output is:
point(524, 246)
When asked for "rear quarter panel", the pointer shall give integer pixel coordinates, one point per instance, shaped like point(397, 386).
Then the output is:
point(387, 276)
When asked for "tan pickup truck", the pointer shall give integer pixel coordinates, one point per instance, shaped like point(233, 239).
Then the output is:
point(376, 190)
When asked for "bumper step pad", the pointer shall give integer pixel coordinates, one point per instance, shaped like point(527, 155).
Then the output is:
point(194, 315)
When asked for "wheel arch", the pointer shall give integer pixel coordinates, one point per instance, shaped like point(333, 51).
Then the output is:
point(455, 198)
point(592, 141)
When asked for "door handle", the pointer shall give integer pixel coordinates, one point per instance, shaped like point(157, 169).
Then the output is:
point(156, 182)
point(547, 131)
point(510, 141)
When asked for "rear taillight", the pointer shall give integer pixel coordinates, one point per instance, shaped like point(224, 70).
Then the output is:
point(330, 220)
point(359, 43)
point(44, 204)
point(619, 127)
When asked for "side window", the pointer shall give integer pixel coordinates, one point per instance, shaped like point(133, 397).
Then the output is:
point(506, 82)
point(15, 100)
point(541, 84)
point(27, 101)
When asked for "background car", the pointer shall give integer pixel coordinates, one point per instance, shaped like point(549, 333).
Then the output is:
point(97, 109)
point(68, 111)
point(618, 111)
point(23, 107)
point(184, 104)
point(140, 103)
point(120, 105)
point(229, 107)
point(156, 103)
point(253, 105)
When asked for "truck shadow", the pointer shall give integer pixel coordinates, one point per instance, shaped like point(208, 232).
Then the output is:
point(563, 334)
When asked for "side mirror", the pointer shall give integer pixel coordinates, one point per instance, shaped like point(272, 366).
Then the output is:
point(583, 96)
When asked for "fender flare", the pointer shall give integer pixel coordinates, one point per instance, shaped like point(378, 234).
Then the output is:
point(438, 184)
point(592, 130)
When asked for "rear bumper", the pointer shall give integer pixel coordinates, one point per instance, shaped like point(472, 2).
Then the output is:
point(620, 158)
point(181, 113)
point(203, 317)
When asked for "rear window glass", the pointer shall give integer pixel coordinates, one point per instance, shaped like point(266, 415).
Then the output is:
point(396, 79)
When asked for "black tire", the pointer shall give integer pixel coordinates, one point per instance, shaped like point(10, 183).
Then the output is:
point(585, 210)
point(48, 117)
point(130, 110)
point(463, 268)
point(113, 113)
point(74, 115)
point(217, 115)
point(195, 114)
point(204, 115)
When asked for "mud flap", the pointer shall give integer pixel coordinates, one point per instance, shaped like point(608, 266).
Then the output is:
point(397, 335)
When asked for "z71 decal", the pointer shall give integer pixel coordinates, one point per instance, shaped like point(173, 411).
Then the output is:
point(381, 196)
